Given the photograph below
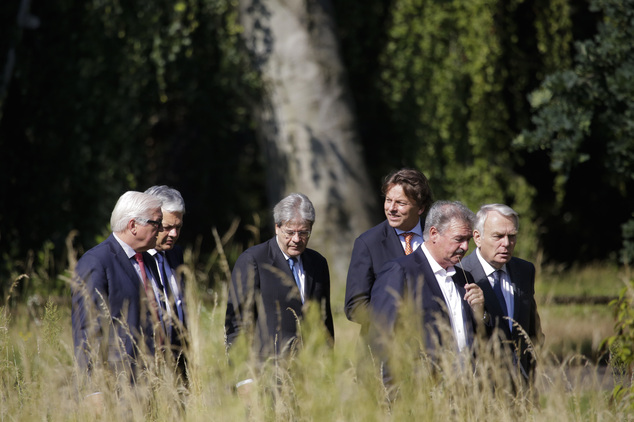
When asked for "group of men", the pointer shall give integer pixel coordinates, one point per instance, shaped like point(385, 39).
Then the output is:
point(127, 295)
point(404, 259)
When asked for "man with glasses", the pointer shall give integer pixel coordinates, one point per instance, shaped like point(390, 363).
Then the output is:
point(114, 311)
point(272, 284)
point(163, 261)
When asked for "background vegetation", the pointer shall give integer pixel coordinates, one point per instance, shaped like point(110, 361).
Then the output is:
point(103, 98)
point(527, 102)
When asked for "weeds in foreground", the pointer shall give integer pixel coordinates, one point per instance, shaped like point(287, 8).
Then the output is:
point(40, 382)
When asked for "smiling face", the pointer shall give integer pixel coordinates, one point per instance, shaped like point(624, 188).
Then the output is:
point(449, 247)
point(172, 224)
point(497, 242)
point(293, 237)
point(402, 213)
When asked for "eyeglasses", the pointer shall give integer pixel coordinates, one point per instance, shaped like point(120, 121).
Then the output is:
point(155, 223)
point(289, 234)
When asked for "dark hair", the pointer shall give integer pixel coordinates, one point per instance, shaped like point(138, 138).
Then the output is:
point(414, 184)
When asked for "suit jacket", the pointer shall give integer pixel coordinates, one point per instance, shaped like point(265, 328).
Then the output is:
point(106, 276)
point(264, 299)
point(371, 251)
point(522, 277)
point(410, 279)
point(174, 259)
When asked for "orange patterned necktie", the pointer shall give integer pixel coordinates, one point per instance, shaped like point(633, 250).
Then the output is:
point(408, 242)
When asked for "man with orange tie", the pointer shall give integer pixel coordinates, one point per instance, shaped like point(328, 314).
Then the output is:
point(163, 262)
point(114, 312)
point(407, 197)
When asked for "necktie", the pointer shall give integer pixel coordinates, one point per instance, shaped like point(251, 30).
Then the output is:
point(497, 288)
point(408, 242)
point(292, 262)
point(173, 295)
point(149, 293)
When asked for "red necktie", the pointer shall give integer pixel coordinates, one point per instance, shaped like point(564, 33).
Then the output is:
point(149, 293)
point(408, 242)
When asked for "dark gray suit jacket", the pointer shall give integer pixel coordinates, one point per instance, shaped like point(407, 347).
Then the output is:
point(410, 278)
point(371, 251)
point(522, 276)
point(105, 276)
point(264, 299)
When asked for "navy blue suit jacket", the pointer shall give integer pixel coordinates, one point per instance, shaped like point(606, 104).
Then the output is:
point(173, 258)
point(264, 299)
point(522, 276)
point(105, 276)
point(371, 251)
point(410, 278)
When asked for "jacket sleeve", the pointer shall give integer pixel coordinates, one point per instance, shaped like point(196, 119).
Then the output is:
point(359, 283)
point(89, 292)
point(240, 302)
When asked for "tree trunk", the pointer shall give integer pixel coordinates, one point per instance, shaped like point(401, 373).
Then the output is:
point(307, 122)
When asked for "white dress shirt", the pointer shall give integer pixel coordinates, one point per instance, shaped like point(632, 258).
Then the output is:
point(452, 299)
point(507, 287)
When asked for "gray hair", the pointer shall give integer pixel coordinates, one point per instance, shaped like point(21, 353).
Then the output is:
point(294, 206)
point(442, 213)
point(172, 199)
point(132, 205)
point(505, 210)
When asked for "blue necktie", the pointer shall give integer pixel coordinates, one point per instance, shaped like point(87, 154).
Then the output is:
point(497, 288)
point(167, 286)
point(291, 263)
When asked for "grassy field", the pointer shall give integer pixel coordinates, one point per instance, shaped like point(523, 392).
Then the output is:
point(40, 382)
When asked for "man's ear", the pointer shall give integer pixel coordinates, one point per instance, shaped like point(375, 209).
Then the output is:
point(433, 234)
point(132, 226)
point(477, 239)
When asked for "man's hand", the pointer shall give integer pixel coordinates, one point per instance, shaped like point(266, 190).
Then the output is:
point(475, 299)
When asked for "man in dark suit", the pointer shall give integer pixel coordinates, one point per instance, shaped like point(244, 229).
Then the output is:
point(407, 197)
point(114, 320)
point(163, 261)
point(272, 283)
point(493, 266)
point(440, 297)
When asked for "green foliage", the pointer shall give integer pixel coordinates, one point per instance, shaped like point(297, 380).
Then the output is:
point(621, 344)
point(451, 80)
point(591, 103)
point(133, 95)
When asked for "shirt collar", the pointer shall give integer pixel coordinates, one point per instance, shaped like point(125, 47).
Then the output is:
point(129, 251)
point(416, 230)
point(299, 258)
point(488, 268)
point(435, 266)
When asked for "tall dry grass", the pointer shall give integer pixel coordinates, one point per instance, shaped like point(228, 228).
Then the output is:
point(41, 382)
